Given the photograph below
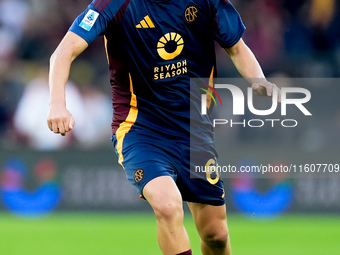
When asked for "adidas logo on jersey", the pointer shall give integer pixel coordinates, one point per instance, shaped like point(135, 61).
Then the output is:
point(145, 23)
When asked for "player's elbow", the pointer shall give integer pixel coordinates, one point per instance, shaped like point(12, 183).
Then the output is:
point(53, 57)
point(58, 54)
point(61, 55)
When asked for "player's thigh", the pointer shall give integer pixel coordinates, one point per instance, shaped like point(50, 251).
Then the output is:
point(210, 221)
point(164, 196)
point(143, 160)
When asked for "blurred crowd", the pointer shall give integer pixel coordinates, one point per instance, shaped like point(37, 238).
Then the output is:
point(296, 38)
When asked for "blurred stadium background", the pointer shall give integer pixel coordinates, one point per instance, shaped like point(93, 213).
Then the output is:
point(67, 195)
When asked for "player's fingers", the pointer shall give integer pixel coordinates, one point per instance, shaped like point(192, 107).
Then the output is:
point(55, 128)
point(68, 126)
point(255, 86)
point(279, 96)
point(64, 131)
point(71, 123)
point(259, 89)
point(276, 91)
point(270, 87)
point(61, 127)
point(49, 123)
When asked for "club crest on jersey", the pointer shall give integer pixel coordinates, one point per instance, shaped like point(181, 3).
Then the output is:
point(191, 13)
point(89, 20)
point(139, 175)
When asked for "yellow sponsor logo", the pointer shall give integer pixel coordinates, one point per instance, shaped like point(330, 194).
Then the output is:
point(168, 40)
point(170, 70)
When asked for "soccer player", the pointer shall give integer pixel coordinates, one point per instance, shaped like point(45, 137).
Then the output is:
point(154, 48)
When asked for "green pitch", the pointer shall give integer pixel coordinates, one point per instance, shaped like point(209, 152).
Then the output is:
point(118, 234)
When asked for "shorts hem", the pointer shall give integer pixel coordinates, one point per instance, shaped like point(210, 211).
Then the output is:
point(213, 203)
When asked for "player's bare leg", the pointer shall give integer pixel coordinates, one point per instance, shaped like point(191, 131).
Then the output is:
point(211, 224)
point(166, 201)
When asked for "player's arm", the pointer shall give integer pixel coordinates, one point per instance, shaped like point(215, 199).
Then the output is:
point(59, 119)
point(248, 66)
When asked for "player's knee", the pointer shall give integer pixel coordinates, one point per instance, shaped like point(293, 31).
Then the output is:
point(168, 210)
point(216, 237)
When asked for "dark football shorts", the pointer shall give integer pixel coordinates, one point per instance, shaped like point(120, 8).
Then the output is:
point(146, 157)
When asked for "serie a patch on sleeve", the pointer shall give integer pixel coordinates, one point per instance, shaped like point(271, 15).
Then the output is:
point(89, 20)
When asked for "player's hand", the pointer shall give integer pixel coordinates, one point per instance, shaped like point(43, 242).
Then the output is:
point(266, 89)
point(60, 120)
